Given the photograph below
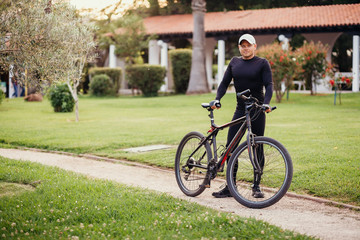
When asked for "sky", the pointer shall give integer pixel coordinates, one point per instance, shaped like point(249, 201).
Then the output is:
point(96, 4)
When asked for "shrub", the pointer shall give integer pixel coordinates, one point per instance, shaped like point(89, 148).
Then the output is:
point(148, 78)
point(307, 62)
point(181, 66)
point(2, 96)
point(284, 66)
point(314, 64)
point(101, 85)
point(61, 98)
point(113, 73)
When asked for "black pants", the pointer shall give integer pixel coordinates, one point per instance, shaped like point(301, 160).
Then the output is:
point(257, 125)
point(258, 128)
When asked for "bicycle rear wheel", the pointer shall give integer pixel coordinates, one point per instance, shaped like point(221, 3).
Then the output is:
point(277, 171)
point(191, 163)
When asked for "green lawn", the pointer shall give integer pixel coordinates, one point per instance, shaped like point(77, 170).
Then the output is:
point(64, 205)
point(322, 139)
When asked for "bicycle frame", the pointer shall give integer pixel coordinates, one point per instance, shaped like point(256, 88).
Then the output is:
point(211, 138)
point(235, 141)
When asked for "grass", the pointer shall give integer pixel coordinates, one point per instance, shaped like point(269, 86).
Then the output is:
point(321, 138)
point(66, 205)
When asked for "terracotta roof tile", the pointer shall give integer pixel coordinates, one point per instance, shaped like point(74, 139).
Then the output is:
point(262, 19)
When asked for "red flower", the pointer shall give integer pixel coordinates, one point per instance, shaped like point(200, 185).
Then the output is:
point(308, 58)
point(310, 52)
point(343, 79)
point(332, 82)
point(347, 81)
point(271, 63)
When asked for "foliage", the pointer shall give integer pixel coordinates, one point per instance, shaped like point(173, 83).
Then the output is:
point(313, 61)
point(129, 37)
point(148, 78)
point(183, 6)
point(48, 40)
point(180, 65)
point(101, 85)
point(307, 62)
point(113, 73)
point(60, 98)
point(284, 66)
point(2, 95)
point(339, 83)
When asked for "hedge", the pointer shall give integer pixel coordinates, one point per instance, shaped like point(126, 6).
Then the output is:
point(148, 78)
point(113, 73)
point(101, 85)
point(181, 66)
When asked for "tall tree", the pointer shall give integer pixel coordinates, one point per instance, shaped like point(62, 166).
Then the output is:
point(198, 82)
point(129, 37)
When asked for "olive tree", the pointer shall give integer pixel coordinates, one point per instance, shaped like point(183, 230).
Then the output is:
point(48, 41)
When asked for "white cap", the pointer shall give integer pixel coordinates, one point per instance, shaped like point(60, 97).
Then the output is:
point(248, 38)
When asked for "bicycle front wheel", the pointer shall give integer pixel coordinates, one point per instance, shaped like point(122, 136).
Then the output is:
point(255, 190)
point(191, 163)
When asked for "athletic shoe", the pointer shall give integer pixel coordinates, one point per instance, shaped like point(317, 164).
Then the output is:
point(224, 193)
point(257, 192)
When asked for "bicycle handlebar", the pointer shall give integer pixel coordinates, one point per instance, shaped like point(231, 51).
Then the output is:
point(252, 100)
point(241, 94)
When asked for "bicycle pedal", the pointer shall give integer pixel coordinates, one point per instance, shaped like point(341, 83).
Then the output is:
point(205, 185)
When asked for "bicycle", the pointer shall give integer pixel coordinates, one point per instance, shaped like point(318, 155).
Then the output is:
point(257, 162)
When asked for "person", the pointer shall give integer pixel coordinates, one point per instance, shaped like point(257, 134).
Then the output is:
point(247, 72)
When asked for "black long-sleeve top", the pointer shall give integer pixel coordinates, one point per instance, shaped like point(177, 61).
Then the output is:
point(251, 74)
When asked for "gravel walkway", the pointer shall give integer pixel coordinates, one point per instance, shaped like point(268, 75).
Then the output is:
point(295, 213)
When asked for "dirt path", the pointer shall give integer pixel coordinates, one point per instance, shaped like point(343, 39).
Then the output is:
point(301, 215)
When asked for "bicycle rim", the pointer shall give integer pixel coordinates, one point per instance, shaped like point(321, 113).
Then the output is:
point(274, 181)
point(191, 178)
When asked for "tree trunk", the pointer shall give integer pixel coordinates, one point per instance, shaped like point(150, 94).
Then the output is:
point(198, 82)
point(73, 90)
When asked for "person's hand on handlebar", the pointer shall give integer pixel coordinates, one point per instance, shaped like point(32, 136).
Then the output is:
point(266, 108)
point(215, 104)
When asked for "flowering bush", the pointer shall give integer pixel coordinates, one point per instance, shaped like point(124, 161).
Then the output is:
point(313, 63)
point(307, 62)
point(284, 66)
point(341, 81)
point(338, 84)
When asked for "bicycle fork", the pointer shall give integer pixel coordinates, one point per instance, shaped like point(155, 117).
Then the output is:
point(252, 150)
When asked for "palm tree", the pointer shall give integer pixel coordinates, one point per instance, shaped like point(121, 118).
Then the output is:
point(198, 82)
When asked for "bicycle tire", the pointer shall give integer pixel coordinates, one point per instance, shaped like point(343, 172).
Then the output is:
point(191, 179)
point(275, 180)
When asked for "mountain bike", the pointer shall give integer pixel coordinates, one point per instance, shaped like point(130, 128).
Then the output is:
point(259, 162)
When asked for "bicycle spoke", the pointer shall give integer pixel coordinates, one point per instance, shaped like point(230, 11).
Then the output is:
point(191, 164)
point(255, 190)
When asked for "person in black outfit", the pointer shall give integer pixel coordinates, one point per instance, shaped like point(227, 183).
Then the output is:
point(247, 72)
